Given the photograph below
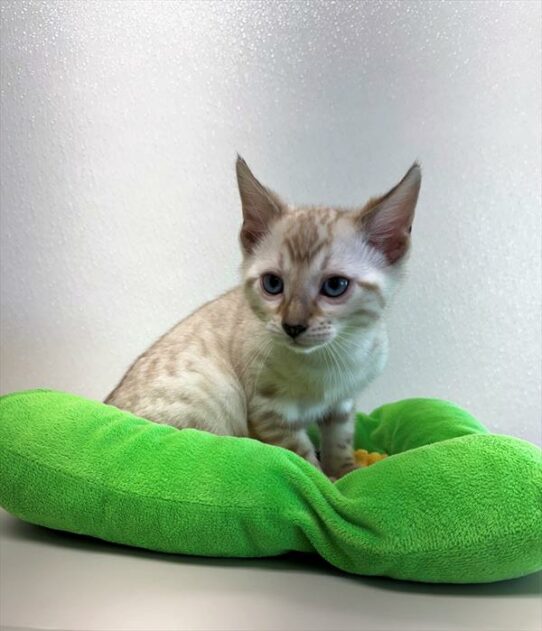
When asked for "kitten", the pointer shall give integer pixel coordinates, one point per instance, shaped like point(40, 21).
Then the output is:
point(298, 340)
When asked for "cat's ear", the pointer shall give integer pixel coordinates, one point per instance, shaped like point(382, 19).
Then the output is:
point(387, 221)
point(261, 207)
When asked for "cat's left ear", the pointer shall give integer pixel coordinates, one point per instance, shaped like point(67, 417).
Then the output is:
point(261, 207)
point(387, 220)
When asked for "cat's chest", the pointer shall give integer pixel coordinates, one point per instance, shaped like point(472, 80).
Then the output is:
point(305, 391)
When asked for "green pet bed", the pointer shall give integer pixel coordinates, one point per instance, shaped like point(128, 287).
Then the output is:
point(452, 503)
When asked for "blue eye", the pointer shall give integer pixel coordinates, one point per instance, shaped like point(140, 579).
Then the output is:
point(272, 284)
point(335, 286)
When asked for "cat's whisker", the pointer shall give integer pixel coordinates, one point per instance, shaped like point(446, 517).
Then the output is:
point(263, 364)
point(336, 370)
point(253, 357)
point(341, 363)
point(329, 365)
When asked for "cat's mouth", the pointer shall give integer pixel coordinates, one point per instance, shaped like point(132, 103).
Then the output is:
point(302, 348)
point(303, 345)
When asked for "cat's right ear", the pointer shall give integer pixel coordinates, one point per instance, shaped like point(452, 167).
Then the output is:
point(261, 207)
point(387, 220)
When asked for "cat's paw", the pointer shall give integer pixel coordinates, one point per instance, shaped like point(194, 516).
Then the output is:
point(341, 471)
point(362, 458)
point(348, 468)
point(313, 459)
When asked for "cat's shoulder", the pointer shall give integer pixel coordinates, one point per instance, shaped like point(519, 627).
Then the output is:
point(216, 312)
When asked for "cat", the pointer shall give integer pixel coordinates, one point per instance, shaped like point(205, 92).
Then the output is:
point(298, 340)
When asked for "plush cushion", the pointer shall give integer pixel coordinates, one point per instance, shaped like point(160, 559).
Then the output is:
point(452, 502)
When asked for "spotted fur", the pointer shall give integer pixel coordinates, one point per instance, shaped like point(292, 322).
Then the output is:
point(230, 367)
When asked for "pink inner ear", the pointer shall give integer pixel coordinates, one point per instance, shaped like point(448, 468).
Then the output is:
point(388, 221)
point(388, 230)
point(251, 232)
point(393, 247)
point(260, 207)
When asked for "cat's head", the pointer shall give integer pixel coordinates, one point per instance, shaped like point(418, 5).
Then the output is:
point(312, 274)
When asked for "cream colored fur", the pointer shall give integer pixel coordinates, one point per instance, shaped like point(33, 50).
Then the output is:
point(230, 368)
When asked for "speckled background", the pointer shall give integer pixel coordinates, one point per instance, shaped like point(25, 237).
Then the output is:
point(120, 123)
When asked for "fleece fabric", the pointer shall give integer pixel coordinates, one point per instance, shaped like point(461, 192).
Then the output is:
point(452, 503)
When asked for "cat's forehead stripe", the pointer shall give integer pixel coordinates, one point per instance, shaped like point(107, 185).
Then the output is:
point(308, 232)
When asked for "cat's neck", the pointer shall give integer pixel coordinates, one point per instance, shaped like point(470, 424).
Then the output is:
point(326, 376)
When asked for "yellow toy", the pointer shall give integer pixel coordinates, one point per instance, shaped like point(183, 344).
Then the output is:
point(365, 458)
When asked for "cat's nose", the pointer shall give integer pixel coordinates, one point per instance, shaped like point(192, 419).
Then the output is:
point(293, 330)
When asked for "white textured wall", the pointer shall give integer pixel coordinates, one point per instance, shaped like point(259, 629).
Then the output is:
point(120, 123)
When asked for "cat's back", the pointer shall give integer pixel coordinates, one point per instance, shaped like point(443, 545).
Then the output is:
point(180, 372)
point(206, 325)
point(214, 319)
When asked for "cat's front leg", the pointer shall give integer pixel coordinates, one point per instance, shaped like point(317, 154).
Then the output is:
point(337, 441)
point(270, 428)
